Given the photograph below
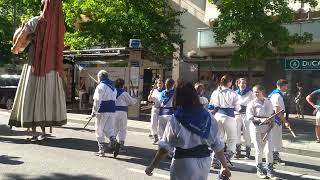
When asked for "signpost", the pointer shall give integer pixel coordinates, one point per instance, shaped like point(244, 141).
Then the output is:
point(297, 64)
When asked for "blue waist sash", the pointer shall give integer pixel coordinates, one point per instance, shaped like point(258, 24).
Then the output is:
point(226, 111)
point(200, 151)
point(107, 106)
point(122, 108)
point(166, 111)
point(277, 120)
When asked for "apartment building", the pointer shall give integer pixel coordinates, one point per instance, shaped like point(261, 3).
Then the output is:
point(202, 59)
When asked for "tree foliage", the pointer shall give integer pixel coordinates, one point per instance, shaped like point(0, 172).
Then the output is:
point(257, 27)
point(112, 23)
point(24, 10)
point(103, 23)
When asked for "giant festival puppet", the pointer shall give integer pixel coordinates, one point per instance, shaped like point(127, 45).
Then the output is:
point(40, 97)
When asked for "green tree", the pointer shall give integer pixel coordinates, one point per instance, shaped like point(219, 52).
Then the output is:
point(103, 23)
point(24, 10)
point(112, 23)
point(257, 28)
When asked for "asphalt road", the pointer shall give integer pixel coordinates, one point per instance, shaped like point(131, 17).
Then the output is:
point(69, 154)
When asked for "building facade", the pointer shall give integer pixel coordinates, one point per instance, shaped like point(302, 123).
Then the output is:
point(203, 59)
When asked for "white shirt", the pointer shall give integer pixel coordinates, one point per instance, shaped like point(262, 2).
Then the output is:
point(103, 93)
point(204, 101)
point(277, 101)
point(245, 99)
point(169, 103)
point(259, 108)
point(125, 100)
point(155, 98)
point(224, 97)
point(176, 135)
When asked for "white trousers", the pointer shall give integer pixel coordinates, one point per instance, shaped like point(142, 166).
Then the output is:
point(243, 123)
point(227, 126)
point(190, 168)
point(104, 126)
point(276, 135)
point(154, 120)
point(257, 133)
point(120, 125)
point(163, 119)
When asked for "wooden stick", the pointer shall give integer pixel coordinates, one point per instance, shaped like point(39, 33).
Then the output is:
point(274, 115)
point(88, 122)
point(293, 134)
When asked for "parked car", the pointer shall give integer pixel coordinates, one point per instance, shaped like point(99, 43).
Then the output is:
point(8, 88)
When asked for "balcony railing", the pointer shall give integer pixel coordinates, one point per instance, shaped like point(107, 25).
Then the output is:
point(206, 35)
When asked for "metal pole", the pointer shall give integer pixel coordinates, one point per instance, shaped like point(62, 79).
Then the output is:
point(73, 87)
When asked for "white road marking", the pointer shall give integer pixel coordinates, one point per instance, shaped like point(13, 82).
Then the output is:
point(154, 174)
point(278, 170)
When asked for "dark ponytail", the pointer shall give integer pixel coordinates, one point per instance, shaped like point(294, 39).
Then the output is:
point(225, 80)
point(169, 83)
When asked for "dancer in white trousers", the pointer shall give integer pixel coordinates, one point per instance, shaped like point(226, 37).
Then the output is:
point(225, 102)
point(245, 96)
point(154, 96)
point(276, 98)
point(190, 131)
point(166, 110)
point(104, 109)
point(121, 117)
point(258, 111)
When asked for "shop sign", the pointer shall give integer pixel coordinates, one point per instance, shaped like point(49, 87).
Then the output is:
point(302, 64)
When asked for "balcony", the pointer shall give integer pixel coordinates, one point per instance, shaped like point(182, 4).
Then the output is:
point(312, 27)
point(206, 41)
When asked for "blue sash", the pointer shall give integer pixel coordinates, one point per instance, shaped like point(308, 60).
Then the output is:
point(226, 111)
point(165, 111)
point(243, 92)
point(109, 83)
point(196, 119)
point(276, 91)
point(119, 91)
point(122, 108)
point(107, 106)
point(110, 105)
point(210, 107)
point(166, 95)
point(200, 151)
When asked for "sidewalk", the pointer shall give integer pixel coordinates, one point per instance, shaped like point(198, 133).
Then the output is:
point(304, 144)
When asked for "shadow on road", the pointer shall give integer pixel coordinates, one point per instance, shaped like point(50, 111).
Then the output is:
point(302, 165)
point(11, 160)
point(76, 129)
point(55, 176)
point(6, 131)
point(136, 155)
